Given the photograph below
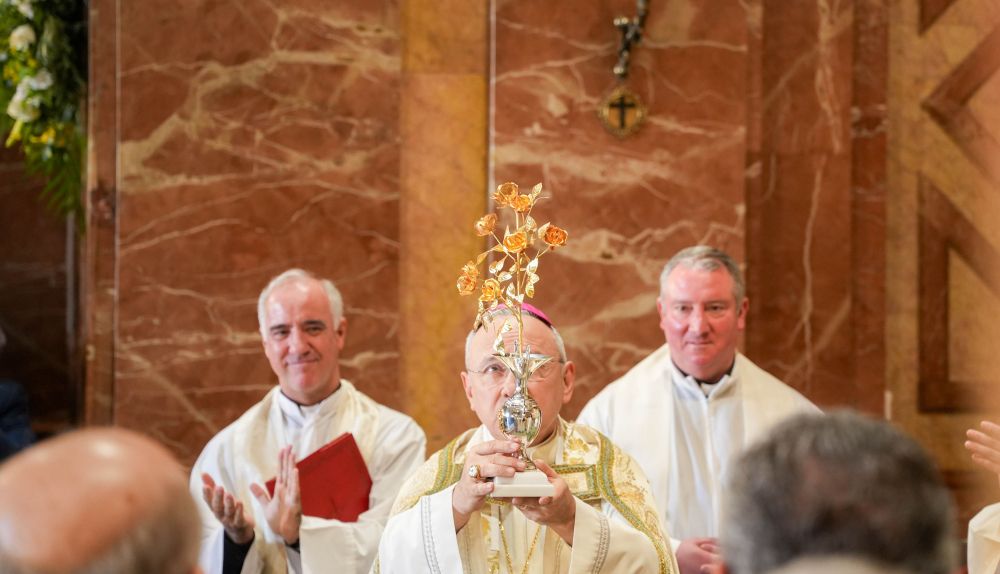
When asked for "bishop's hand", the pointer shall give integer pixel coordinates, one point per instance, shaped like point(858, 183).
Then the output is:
point(237, 523)
point(557, 512)
point(283, 510)
point(485, 461)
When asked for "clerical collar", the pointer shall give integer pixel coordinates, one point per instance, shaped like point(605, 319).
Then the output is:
point(703, 387)
point(299, 412)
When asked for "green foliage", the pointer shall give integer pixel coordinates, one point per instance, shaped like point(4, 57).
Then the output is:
point(43, 54)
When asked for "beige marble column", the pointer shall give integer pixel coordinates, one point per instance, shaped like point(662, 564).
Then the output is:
point(444, 128)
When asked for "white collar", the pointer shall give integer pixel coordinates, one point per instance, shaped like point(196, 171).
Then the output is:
point(708, 391)
point(299, 415)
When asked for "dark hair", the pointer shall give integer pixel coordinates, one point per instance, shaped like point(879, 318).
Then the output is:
point(839, 484)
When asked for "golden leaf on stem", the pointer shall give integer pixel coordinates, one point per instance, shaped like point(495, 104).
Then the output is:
point(498, 345)
point(497, 265)
point(529, 224)
point(529, 289)
point(513, 295)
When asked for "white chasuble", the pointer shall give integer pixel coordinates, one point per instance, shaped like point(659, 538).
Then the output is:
point(685, 435)
point(246, 452)
point(984, 541)
point(616, 528)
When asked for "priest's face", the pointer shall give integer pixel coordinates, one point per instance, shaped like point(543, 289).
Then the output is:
point(301, 341)
point(702, 321)
point(487, 384)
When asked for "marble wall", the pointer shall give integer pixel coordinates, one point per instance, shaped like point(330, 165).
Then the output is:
point(815, 199)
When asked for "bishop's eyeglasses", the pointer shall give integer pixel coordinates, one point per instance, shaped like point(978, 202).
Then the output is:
point(496, 373)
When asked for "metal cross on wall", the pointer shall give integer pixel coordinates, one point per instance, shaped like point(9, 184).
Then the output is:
point(621, 111)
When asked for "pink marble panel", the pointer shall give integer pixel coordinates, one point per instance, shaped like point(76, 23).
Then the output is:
point(255, 136)
point(628, 204)
point(815, 235)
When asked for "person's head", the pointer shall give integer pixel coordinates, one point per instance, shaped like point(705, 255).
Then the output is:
point(303, 328)
point(106, 501)
point(837, 485)
point(838, 565)
point(703, 309)
point(488, 383)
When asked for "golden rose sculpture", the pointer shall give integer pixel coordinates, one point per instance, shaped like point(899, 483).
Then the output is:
point(513, 274)
point(510, 278)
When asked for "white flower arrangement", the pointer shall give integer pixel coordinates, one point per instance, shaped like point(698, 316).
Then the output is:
point(42, 45)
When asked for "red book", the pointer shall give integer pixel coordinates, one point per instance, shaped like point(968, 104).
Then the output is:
point(334, 481)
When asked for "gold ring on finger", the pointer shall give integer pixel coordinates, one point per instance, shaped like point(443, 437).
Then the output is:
point(475, 472)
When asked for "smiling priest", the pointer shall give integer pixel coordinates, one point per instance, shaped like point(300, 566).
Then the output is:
point(601, 517)
point(247, 529)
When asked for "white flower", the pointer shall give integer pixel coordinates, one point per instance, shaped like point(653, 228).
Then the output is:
point(22, 37)
point(24, 7)
point(23, 106)
point(40, 81)
point(23, 109)
point(22, 90)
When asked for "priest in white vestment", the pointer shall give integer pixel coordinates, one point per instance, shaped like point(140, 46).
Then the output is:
point(244, 528)
point(689, 409)
point(601, 518)
point(984, 529)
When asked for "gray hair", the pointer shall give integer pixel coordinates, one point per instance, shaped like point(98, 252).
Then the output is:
point(336, 301)
point(164, 542)
point(842, 484)
point(504, 312)
point(706, 258)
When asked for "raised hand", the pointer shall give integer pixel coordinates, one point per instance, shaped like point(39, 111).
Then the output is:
point(558, 512)
point(228, 510)
point(491, 459)
point(284, 510)
point(985, 446)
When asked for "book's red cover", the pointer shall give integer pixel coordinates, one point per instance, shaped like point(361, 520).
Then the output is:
point(333, 481)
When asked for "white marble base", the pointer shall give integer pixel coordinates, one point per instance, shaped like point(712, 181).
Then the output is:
point(530, 483)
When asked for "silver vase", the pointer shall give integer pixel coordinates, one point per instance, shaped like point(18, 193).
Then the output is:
point(520, 418)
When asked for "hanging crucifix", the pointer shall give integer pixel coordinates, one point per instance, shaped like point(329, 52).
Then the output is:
point(621, 111)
